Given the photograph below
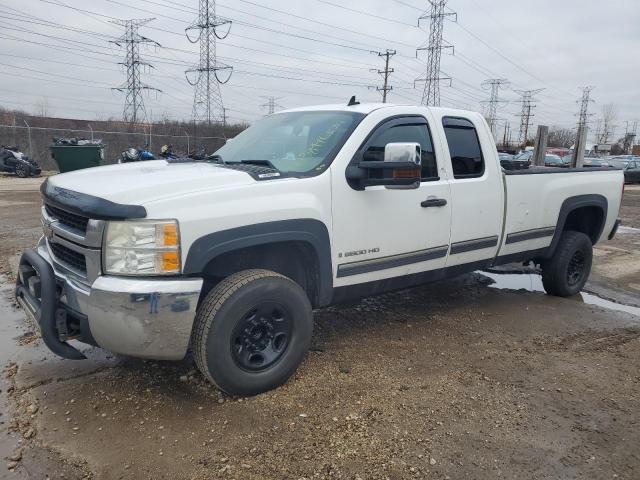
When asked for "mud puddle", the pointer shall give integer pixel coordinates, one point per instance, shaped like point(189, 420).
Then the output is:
point(628, 230)
point(532, 282)
point(11, 333)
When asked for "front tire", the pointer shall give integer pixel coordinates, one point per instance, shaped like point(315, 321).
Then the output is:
point(21, 171)
point(566, 272)
point(252, 331)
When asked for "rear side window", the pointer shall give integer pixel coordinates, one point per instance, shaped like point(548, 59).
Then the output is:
point(464, 147)
point(418, 133)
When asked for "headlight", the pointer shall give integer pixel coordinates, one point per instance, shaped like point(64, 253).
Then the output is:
point(142, 248)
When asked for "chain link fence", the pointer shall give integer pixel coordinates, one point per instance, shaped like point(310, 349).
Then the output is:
point(116, 138)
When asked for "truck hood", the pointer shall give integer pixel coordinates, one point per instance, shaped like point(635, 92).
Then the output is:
point(138, 183)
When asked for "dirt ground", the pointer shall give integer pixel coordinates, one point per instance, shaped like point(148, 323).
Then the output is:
point(458, 379)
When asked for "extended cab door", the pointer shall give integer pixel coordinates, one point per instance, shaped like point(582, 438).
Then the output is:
point(477, 190)
point(384, 232)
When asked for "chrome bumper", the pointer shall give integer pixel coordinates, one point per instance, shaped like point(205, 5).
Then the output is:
point(146, 318)
point(143, 318)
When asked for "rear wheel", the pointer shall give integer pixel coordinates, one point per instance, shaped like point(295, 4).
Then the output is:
point(252, 331)
point(566, 272)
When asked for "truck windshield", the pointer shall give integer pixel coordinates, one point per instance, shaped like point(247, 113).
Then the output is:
point(295, 142)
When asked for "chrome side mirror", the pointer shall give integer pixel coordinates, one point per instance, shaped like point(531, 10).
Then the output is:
point(403, 152)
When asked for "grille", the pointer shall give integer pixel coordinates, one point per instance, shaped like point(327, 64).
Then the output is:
point(77, 222)
point(66, 255)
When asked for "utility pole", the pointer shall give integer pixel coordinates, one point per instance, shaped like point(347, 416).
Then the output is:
point(207, 100)
point(224, 116)
point(271, 104)
point(434, 47)
point(134, 110)
point(494, 85)
point(385, 73)
point(526, 114)
point(506, 137)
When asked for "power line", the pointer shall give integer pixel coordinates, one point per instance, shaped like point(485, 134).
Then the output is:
point(207, 101)
point(584, 114)
point(434, 47)
point(271, 104)
point(494, 85)
point(134, 111)
point(525, 113)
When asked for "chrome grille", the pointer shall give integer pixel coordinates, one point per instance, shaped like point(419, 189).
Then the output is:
point(71, 258)
point(77, 222)
point(74, 242)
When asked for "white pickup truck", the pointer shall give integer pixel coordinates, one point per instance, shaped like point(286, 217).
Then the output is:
point(308, 207)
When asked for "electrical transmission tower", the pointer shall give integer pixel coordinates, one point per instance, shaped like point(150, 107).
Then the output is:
point(526, 113)
point(386, 73)
point(271, 104)
point(583, 116)
point(494, 85)
point(134, 110)
point(207, 100)
point(434, 47)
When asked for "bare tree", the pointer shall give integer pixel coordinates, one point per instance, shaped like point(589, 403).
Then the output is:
point(609, 117)
point(561, 137)
point(42, 108)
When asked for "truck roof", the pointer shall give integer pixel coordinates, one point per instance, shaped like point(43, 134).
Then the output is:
point(367, 108)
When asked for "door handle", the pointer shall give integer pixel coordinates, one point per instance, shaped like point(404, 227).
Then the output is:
point(433, 202)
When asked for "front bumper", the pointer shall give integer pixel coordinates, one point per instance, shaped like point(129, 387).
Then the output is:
point(141, 317)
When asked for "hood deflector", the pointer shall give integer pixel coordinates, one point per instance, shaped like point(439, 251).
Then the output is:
point(88, 205)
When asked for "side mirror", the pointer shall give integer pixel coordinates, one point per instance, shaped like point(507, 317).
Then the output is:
point(401, 168)
point(403, 152)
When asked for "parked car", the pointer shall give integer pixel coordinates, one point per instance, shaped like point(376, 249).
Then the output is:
point(12, 160)
point(508, 162)
point(304, 209)
point(590, 162)
point(631, 169)
point(551, 160)
point(526, 155)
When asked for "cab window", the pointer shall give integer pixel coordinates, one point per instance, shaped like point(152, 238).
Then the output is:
point(464, 147)
point(405, 133)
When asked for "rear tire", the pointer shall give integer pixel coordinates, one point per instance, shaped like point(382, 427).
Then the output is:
point(252, 331)
point(566, 272)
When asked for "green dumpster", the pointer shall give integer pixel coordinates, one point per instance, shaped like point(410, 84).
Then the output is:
point(76, 157)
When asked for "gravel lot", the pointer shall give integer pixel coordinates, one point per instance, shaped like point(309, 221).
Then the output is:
point(451, 380)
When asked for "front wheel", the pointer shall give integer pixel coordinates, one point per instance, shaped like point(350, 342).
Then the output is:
point(21, 171)
point(566, 272)
point(252, 331)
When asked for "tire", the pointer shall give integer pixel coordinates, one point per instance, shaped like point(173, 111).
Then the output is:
point(21, 171)
point(252, 331)
point(566, 272)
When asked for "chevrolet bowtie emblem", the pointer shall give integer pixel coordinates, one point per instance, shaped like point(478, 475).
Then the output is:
point(47, 228)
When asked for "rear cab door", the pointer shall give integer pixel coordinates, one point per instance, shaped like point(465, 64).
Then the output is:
point(477, 188)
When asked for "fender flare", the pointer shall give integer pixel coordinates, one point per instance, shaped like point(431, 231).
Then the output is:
point(311, 231)
point(573, 203)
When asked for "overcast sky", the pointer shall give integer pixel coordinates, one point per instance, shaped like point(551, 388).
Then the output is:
point(558, 45)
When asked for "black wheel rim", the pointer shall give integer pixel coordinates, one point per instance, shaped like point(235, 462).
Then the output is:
point(261, 336)
point(575, 270)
